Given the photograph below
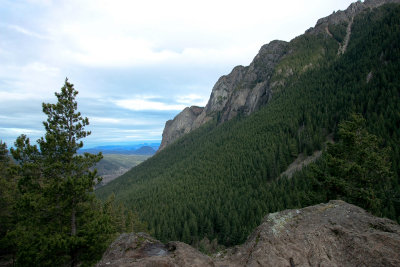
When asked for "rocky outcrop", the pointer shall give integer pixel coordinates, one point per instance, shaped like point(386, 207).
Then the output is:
point(143, 250)
point(243, 91)
point(347, 15)
point(180, 125)
point(332, 234)
point(246, 89)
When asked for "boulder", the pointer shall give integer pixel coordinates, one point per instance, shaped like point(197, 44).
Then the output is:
point(331, 234)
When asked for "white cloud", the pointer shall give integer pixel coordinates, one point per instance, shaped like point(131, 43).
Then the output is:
point(6, 97)
point(32, 80)
point(18, 131)
point(143, 135)
point(41, 2)
point(40, 67)
point(26, 31)
point(142, 104)
point(115, 51)
point(135, 33)
point(123, 51)
point(118, 121)
point(192, 99)
point(101, 120)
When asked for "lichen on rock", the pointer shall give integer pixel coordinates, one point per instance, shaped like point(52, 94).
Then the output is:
point(330, 234)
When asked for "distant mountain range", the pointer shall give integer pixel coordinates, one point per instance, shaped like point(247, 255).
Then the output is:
point(139, 149)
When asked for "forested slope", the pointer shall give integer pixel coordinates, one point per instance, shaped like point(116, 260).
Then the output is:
point(221, 179)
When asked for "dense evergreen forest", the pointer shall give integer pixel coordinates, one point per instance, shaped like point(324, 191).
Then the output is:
point(220, 180)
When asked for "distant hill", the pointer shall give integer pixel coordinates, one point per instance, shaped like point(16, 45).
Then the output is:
point(139, 149)
point(145, 150)
point(118, 159)
point(114, 165)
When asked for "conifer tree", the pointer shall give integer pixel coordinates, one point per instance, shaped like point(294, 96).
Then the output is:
point(356, 168)
point(59, 221)
point(8, 194)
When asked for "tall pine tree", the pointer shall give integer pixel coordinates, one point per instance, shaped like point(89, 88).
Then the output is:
point(59, 221)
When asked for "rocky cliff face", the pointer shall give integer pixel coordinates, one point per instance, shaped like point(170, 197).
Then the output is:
point(332, 234)
point(246, 89)
point(180, 125)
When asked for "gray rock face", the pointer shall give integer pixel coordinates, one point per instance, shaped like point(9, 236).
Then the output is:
point(246, 89)
point(180, 125)
point(332, 234)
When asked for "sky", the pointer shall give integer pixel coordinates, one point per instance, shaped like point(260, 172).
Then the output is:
point(136, 64)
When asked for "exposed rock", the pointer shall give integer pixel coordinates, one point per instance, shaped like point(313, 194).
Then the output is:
point(245, 89)
point(180, 125)
point(346, 15)
point(143, 250)
point(345, 43)
point(332, 234)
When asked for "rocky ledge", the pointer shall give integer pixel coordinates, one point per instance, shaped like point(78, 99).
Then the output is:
point(332, 234)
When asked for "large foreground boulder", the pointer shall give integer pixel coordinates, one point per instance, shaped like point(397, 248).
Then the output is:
point(332, 234)
point(143, 250)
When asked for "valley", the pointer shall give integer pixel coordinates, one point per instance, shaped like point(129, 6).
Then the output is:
point(294, 160)
point(115, 165)
point(217, 176)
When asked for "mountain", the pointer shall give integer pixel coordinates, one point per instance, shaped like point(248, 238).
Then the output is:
point(138, 149)
point(218, 180)
point(331, 234)
point(145, 150)
point(246, 89)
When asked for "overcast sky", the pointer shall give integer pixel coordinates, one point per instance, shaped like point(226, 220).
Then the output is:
point(135, 64)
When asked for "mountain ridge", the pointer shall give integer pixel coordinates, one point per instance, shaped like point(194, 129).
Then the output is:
point(246, 89)
point(218, 181)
